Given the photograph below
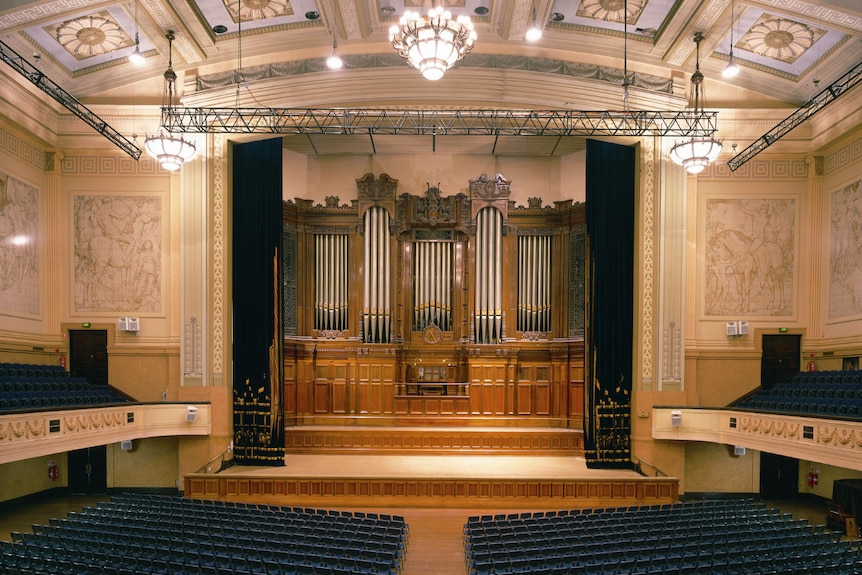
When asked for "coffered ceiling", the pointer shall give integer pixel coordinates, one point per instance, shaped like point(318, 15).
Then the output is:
point(788, 49)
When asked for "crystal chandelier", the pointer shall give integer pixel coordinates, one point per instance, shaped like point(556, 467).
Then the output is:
point(170, 151)
point(433, 44)
point(696, 153)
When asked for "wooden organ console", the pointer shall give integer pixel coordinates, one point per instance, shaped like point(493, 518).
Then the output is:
point(430, 309)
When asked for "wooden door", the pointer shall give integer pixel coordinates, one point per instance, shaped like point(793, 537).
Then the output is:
point(781, 359)
point(779, 477)
point(88, 355)
point(88, 470)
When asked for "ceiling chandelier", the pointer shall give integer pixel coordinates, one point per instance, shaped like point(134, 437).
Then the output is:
point(696, 153)
point(433, 44)
point(170, 151)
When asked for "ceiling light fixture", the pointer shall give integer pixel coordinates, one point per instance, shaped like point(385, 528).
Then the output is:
point(732, 69)
point(334, 62)
point(434, 44)
point(170, 151)
point(136, 57)
point(696, 153)
point(534, 33)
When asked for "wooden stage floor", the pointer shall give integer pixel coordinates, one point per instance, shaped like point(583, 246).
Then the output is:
point(469, 480)
point(435, 467)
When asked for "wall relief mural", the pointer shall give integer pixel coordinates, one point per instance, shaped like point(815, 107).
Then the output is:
point(845, 253)
point(749, 256)
point(19, 257)
point(118, 247)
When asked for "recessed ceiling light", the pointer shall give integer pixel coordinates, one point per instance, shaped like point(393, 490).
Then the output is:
point(557, 17)
point(481, 10)
point(219, 28)
point(312, 15)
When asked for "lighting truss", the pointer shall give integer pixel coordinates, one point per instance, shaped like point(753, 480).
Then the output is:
point(808, 109)
point(67, 100)
point(438, 122)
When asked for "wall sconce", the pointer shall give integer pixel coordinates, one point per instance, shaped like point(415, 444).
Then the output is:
point(676, 418)
point(191, 413)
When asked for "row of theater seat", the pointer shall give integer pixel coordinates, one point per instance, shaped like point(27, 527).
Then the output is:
point(704, 537)
point(158, 534)
point(32, 370)
point(833, 394)
point(29, 387)
point(829, 376)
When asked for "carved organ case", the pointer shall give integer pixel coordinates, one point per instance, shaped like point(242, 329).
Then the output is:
point(434, 304)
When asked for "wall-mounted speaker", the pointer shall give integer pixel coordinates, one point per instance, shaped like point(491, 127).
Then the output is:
point(738, 450)
point(126, 445)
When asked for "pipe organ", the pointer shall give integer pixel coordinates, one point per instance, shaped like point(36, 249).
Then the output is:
point(376, 308)
point(488, 314)
point(330, 300)
point(433, 305)
point(534, 283)
point(432, 285)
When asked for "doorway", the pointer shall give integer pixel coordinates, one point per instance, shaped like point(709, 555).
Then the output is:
point(779, 477)
point(780, 361)
point(88, 470)
point(88, 355)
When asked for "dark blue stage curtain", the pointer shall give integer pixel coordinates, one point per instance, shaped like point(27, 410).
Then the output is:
point(257, 324)
point(610, 207)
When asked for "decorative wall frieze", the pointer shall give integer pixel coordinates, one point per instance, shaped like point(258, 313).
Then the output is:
point(759, 169)
point(28, 435)
point(817, 439)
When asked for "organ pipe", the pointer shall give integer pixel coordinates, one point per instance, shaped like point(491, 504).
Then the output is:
point(432, 285)
point(534, 283)
point(376, 312)
point(488, 314)
point(330, 294)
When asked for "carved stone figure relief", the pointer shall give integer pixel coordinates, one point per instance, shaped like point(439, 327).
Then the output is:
point(19, 258)
point(118, 253)
point(845, 253)
point(749, 256)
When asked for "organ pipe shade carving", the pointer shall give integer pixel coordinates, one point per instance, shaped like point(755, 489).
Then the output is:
point(534, 283)
point(488, 314)
point(330, 292)
point(432, 285)
point(376, 311)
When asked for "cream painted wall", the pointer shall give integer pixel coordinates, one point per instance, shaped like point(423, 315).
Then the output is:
point(23, 478)
point(712, 468)
point(151, 463)
point(827, 477)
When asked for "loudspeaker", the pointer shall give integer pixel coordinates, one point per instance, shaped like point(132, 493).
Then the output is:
point(126, 445)
point(191, 413)
point(730, 328)
point(738, 450)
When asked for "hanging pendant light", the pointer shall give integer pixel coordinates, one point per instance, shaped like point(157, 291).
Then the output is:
point(696, 153)
point(534, 33)
point(136, 57)
point(171, 151)
point(334, 62)
point(434, 44)
point(732, 68)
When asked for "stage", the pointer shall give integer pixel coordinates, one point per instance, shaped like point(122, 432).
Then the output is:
point(468, 480)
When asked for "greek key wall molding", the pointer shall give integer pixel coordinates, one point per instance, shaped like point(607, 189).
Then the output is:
point(114, 165)
point(21, 149)
point(763, 169)
point(851, 153)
